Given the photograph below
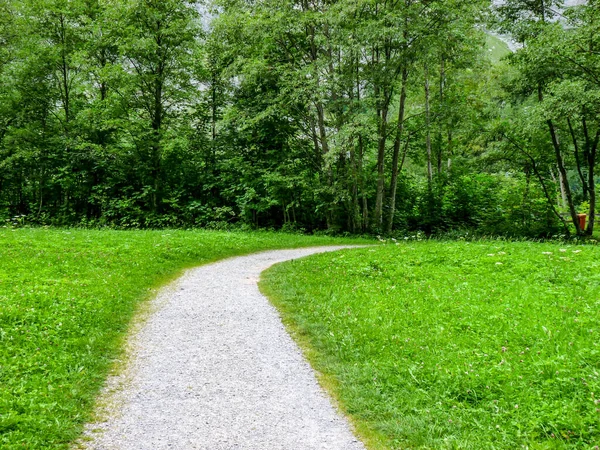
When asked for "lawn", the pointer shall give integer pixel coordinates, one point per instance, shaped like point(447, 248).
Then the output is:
point(443, 345)
point(66, 299)
point(497, 48)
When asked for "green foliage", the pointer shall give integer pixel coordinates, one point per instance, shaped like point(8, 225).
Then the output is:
point(483, 204)
point(350, 116)
point(67, 298)
point(556, 87)
point(525, 19)
point(453, 345)
point(497, 205)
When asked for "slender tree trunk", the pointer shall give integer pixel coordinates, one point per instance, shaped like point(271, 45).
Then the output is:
point(563, 192)
point(315, 139)
point(592, 154)
point(157, 120)
point(41, 198)
point(360, 162)
point(323, 138)
point(325, 150)
point(64, 69)
point(313, 55)
point(322, 128)
point(525, 205)
point(578, 160)
point(450, 148)
point(294, 210)
point(542, 183)
point(383, 97)
point(428, 129)
point(560, 201)
point(355, 208)
point(66, 100)
point(365, 200)
point(440, 139)
point(548, 198)
point(563, 176)
point(404, 152)
point(396, 155)
point(67, 90)
point(213, 105)
point(380, 159)
point(382, 140)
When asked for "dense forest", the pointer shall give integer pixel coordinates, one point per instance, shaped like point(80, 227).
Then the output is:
point(360, 116)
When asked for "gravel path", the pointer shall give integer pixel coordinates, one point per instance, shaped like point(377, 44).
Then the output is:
point(213, 368)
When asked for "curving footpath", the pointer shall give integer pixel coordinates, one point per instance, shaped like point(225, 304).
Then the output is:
point(213, 368)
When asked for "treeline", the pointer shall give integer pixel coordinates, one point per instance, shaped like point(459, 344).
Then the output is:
point(352, 115)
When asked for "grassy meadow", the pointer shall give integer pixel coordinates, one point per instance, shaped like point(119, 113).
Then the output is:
point(66, 299)
point(497, 48)
point(453, 345)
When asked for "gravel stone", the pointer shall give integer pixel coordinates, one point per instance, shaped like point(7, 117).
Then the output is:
point(214, 368)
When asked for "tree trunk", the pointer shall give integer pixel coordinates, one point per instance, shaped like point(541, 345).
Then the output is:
point(440, 139)
point(355, 208)
point(383, 96)
point(450, 148)
point(360, 166)
point(382, 140)
point(525, 207)
point(563, 176)
point(41, 198)
point(64, 69)
point(213, 106)
point(578, 161)
point(542, 183)
point(563, 192)
point(428, 129)
point(315, 139)
point(157, 120)
point(396, 155)
point(592, 153)
point(365, 200)
point(325, 150)
point(558, 202)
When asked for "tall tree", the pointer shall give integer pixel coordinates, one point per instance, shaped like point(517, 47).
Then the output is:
point(156, 41)
point(540, 69)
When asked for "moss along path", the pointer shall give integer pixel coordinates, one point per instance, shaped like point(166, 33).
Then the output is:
point(213, 368)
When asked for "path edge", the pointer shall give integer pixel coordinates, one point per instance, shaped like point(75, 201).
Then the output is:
point(122, 370)
point(372, 439)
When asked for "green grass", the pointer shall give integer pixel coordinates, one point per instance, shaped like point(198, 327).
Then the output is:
point(66, 299)
point(497, 48)
point(433, 345)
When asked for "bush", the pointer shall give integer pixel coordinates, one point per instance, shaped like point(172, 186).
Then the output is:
point(485, 204)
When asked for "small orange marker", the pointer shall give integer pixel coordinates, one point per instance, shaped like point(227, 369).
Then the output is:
point(582, 218)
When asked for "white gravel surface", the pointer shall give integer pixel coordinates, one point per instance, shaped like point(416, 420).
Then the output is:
point(213, 368)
